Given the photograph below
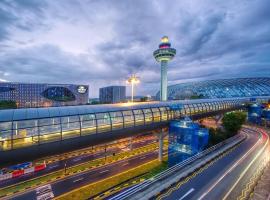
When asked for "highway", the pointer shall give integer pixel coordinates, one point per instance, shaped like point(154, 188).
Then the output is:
point(226, 177)
point(80, 158)
point(72, 182)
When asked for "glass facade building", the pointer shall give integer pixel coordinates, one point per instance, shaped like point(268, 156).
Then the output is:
point(34, 126)
point(223, 88)
point(186, 138)
point(28, 95)
point(112, 94)
point(255, 113)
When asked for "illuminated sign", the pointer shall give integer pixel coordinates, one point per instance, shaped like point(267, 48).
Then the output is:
point(82, 89)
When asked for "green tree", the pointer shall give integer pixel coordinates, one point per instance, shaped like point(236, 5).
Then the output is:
point(5, 104)
point(233, 121)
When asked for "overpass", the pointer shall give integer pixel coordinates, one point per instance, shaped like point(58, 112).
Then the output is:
point(26, 133)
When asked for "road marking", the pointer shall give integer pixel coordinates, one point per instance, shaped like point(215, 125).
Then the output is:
point(246, 169)
point(104, 171)
point(49, 195)
point(195, 173)
point(188, 192)
point(142, 157)
point(53, 166)
point(125, 164)
point(77, 159)
point(230, 169)
point(80, 179)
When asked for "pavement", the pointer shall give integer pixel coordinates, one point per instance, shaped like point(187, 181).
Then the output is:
point(226, 177)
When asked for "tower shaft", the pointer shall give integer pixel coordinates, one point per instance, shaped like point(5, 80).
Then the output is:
point(164, 54)
point(163, 89)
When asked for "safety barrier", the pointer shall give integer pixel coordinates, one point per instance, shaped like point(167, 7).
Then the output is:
point(127, 193)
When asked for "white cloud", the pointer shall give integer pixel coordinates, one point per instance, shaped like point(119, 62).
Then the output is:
point(101, 42)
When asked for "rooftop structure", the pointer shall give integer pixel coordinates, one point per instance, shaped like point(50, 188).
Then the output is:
point(222, 88)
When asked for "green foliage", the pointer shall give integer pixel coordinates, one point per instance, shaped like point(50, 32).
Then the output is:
point(216, 136)
point(7, 104)
point(163, 166)
point(143, 99)
point(196, 96)
point(233, 121)
point(95, 102)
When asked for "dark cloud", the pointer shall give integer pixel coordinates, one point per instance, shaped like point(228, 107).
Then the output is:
point(102, 42)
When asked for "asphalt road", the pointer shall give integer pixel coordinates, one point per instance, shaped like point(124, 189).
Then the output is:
point(76, 181)
point(58, 165)
point(217, 181)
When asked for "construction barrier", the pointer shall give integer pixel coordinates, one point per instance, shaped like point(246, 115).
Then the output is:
point(21, 172)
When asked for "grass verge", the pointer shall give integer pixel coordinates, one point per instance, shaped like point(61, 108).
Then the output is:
point(20, 187)
point(93, 189)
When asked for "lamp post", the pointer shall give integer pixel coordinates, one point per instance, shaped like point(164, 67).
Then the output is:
point(133, 79)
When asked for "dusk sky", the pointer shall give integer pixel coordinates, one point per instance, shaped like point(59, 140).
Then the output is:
point(102, 42)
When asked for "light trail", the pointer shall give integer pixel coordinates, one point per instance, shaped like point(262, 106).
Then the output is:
point(246, 169)
point(185, 195)
point(230, 169)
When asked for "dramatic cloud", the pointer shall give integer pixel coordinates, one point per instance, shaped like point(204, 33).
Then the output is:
point(100, 42)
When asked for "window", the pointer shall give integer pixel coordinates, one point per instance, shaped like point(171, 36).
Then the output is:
point(164, 113)
point(117, 120)
point(139, 117)
point(156, 114)
point(70, 127)
point(148, 116)
point(103, 122)
point(25, 133)
point(128, 118)
point(88, 124)
point(5, 135)
point(49, 130)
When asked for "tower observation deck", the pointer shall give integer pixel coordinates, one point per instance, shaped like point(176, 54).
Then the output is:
point(164, 54)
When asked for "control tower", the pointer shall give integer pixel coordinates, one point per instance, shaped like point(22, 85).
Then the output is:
point(164, 54)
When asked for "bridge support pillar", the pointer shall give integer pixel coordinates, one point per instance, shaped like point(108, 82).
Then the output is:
point(160, 150)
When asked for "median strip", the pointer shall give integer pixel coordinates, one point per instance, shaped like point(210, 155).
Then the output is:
point(24, 186)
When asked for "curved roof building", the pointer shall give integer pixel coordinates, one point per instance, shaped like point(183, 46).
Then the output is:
point(222, 88)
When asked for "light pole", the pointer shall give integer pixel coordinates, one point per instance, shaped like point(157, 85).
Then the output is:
point(133, 79)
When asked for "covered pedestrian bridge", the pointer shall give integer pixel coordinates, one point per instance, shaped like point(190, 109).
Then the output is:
point(42, 131)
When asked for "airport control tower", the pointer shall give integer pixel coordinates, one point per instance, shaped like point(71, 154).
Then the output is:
point(164, 54)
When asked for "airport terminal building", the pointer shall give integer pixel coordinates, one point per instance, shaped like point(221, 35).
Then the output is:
point(221, 88)
point(32, 95)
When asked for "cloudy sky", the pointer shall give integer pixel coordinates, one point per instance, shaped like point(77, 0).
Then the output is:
point(102, 42)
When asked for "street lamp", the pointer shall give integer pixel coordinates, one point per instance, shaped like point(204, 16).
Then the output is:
point(133, 79)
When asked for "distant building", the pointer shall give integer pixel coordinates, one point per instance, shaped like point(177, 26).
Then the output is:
point(28, 95)
point(112, 94)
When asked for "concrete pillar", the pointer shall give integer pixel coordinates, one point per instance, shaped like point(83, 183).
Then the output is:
point(160, 150)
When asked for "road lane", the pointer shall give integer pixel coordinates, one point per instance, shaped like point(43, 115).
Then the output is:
point(203, 181)
point(67, 184)
point(59, 165)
